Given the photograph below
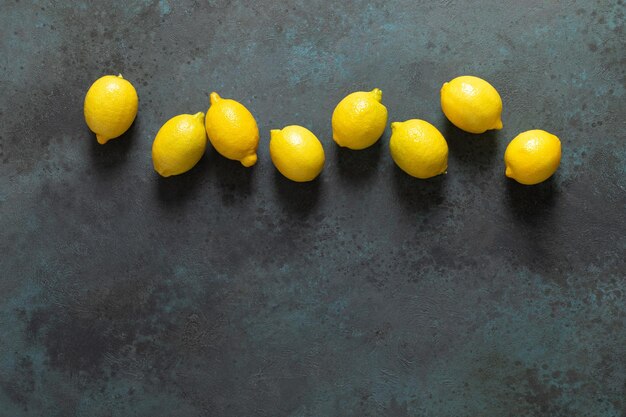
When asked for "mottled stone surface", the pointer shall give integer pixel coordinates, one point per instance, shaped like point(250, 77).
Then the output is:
point(233, 292)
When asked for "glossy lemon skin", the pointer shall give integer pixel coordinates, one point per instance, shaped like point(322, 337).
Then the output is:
point(110, 107)
point(472, 104)
point(532, 157)
point(232, 130)
point(418, 148)
point(297, 153)
point(179, 144)
point(359, 120)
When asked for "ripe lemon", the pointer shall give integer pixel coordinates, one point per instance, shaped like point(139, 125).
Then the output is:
point(359, 119)
point(297, 153)
point(472, 104)
point(179, 144)
point(532, 157)
point(110, 107)
point(232, 130)
point(418, 148)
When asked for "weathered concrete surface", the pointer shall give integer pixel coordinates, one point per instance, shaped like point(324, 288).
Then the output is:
point(232, 292)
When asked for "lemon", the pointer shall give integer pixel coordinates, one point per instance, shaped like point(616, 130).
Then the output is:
point(532, 157)
point(179, 144)
point(418, 148)
point(472, 104)
point(297, 153)
point(110, 107)
point(359, 119)
point(232, 130)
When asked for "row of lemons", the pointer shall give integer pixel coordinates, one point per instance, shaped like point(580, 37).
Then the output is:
point(358, 121)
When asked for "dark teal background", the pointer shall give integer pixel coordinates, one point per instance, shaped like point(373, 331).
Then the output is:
point(233, 292)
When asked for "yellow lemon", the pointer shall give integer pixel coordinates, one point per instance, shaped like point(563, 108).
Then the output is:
point(472, 104)
point(110, 107)
point(297, 153)
point(418, 148)
point(359, 119)
point(179, 144)
point(532, 157)
point(232, 130)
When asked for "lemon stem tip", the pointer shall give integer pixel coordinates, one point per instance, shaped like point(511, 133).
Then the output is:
point(101, 139)
point(249, 160)
point(378, 94)
point(215, 97)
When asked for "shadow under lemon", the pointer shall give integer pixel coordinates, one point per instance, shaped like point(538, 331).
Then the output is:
point(115, 152)
point(177, 189)
point(476, 150)
point(233, 181)
point(357, 167)
point(299, 198)
point(535, 233)
point(531, 205)
point(418, 194)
